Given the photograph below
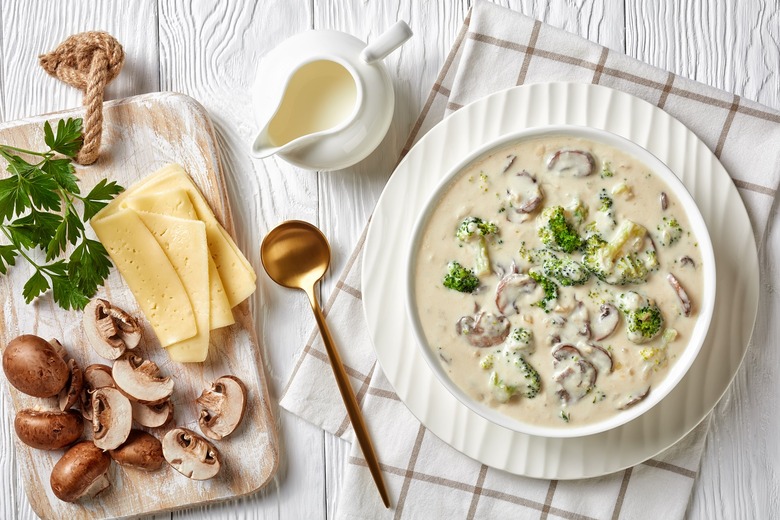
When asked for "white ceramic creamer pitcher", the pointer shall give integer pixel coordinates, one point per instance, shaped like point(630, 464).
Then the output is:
point(323, 99)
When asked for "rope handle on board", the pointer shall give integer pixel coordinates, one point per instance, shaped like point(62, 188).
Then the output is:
point(87, 61)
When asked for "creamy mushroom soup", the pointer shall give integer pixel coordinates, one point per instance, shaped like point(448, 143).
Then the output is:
point(558, 280)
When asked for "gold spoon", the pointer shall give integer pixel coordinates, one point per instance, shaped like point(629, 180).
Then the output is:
point(296, 255)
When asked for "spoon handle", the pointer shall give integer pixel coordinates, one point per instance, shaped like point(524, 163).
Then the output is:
point(353, 409)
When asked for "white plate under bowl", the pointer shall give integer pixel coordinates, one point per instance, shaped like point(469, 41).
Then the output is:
point(539, 105)
point(705, 304)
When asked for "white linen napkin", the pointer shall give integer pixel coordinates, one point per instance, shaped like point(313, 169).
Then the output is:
point(496, 49)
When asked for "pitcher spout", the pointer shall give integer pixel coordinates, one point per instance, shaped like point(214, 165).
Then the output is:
point(263, 146)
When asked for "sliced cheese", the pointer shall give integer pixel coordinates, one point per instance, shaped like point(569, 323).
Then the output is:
point(149, 274)
point(184, 243)
point(220, 314)
point(237, 275)
point(176, 203)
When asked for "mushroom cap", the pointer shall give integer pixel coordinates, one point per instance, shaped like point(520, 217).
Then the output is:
point(71, 393)
point(48, 429)
point(80, 472)
point(141, 450)
point(95, 376)
point(34, 367)
point(152, 415)
point(190, 454)
point(140, 379)
point(109, 329)
point(112, 418)
point(222, 407)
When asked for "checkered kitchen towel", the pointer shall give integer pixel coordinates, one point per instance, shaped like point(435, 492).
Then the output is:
point(496, 49)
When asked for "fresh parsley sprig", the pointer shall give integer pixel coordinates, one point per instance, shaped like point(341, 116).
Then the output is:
point(38, 210)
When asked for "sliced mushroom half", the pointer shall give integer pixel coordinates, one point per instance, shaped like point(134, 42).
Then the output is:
point(152, 415)
point(72, 391)
point(222, 407)
point(606, 322)
point(685, 302)
point(190, 454)
point(140, 379)
point(94, 377)
point(484, 329)
point(109, 329)
point(112, 418)
point(577, 163)
point(574, 374)
point(510, 288)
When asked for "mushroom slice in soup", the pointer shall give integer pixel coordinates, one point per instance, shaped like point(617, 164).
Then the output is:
point(685, 302)
point(599, 357)
point(524, 196)
point(510, 288)
point(579, 319)
point(510, 160)
point(484, 329)
point(632, 398)
point(605, 323)
point(577, 163)
point(574, 374)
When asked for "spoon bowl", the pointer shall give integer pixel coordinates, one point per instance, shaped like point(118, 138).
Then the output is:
point(295, 255)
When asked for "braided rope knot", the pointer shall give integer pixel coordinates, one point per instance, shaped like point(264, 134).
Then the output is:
point(87, 61)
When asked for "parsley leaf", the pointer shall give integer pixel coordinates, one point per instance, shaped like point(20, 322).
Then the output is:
point(89, 265)
point(99, 196)
point(36, 285)
point(66, 294)
point(42, 197)
point(7, 257)
point(63, 173)
point(68, 140)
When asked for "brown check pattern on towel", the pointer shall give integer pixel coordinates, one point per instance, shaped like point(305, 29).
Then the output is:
point(497, 49)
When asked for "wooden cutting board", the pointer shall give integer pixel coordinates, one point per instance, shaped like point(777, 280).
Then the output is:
point(142, 134)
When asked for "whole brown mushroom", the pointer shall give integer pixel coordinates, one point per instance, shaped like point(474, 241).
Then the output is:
point(141, 451)
point(33, 366)
point(48, 430)
point(81, 472)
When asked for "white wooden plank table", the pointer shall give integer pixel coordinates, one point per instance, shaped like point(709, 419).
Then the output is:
point(209, 50)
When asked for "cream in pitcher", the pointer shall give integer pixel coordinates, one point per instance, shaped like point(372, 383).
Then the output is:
point(323, 99)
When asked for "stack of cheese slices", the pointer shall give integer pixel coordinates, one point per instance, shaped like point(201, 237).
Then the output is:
point(181, 265)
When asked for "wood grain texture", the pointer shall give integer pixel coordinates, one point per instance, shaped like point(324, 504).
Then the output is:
point(31, 28)
point(348, 196)
point(142, 134)
point(28, 29)
point(733, 46)
point(210, 51)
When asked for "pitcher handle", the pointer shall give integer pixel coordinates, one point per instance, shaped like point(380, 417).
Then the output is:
point(387, 42)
